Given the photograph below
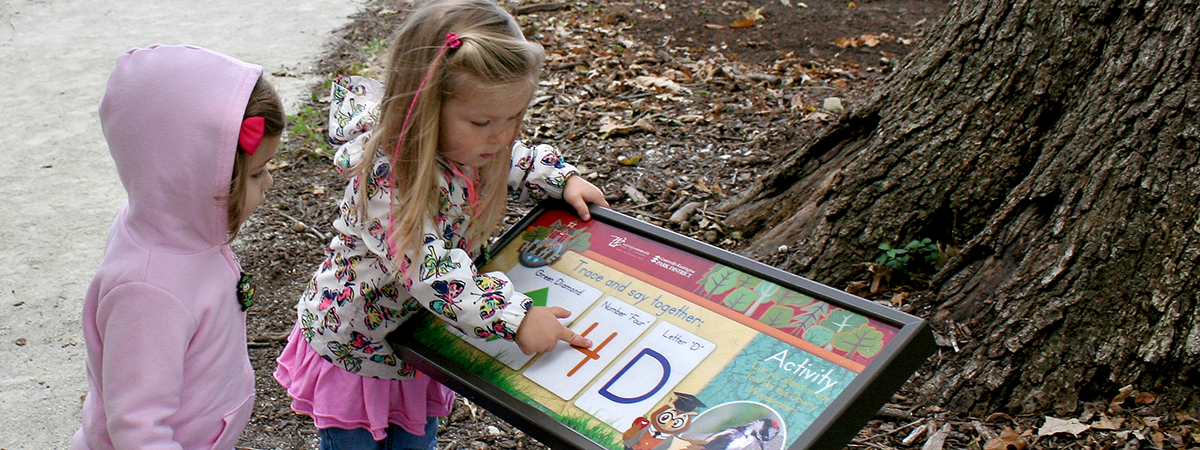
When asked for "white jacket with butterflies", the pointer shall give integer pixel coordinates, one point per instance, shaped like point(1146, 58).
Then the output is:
point(362, 291)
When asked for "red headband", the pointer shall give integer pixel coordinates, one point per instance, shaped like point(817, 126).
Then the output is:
point(251, 134)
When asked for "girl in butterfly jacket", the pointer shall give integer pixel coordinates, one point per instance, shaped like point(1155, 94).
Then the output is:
point(432, 159)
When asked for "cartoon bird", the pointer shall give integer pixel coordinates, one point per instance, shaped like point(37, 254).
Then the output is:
point(746, 437)
point(658, 432)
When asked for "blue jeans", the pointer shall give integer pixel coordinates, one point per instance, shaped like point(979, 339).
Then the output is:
point(361, 439)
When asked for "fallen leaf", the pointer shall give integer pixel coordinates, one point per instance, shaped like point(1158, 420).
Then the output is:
point(744, 23)
point(608, 127)
point(1108, 423)
point(859, 288)
point(611, 127)
point(852, 5)
point(868, 40)
point(797, 101)
point(1146, 398)
point(817, 116)
point(629, 160)
point(1152, 422)
point(755, 14)
point(1115, 404)
point(1157, 438)
point(635, 195)
point(881, 277)
point(844, 42)
point(660, 83)
point(1008, 440)
point(715, 26)
point(1055, 426)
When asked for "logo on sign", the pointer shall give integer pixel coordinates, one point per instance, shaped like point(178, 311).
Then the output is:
point(547, 250)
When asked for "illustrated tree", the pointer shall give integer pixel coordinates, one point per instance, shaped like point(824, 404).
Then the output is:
point(1057, 143)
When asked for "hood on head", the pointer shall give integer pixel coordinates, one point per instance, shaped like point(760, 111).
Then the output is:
point(171, 116)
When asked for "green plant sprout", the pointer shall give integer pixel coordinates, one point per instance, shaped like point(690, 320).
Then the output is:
point(308, 125)
point(897, 258)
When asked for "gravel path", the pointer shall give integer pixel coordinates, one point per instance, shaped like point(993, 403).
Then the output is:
point(58, 189)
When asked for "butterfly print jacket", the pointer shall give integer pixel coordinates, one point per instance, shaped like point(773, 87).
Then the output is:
point(363, 291)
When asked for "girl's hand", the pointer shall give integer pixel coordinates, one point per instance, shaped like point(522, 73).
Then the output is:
point(578, 192)
point(541, 330)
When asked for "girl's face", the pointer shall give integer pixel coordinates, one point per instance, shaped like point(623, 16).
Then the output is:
point(258, 178)
point(478, 124)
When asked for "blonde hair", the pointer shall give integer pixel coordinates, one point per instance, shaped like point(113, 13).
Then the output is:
point(264, 102)
point(495, 55)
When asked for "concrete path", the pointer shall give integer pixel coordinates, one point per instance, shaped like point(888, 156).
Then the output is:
point(59, 190)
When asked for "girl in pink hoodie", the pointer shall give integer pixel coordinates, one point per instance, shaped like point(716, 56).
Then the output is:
point(191, 131)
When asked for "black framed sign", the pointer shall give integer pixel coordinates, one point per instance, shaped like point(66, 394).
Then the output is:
point(693, 346)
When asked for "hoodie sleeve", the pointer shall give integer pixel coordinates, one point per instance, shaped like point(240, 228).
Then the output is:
point(145, 333)
point(537, 173)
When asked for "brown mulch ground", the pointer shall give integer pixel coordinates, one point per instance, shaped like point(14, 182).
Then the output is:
point(661, 104)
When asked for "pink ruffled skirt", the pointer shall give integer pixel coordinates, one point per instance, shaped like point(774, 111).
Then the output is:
point(336, 398)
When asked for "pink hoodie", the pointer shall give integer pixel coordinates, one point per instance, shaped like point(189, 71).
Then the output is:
point(166, 338)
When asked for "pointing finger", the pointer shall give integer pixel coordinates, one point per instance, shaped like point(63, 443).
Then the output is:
point(576, 340)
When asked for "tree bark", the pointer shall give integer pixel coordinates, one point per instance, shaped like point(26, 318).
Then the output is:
point(1057, 143)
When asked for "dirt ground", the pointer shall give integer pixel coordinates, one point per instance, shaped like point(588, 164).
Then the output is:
point(661, 104)
point(59, 189)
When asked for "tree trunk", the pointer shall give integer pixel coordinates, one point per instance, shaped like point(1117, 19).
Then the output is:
point(1057, 143)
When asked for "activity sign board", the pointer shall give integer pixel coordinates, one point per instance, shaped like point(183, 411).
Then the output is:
point(693, 347)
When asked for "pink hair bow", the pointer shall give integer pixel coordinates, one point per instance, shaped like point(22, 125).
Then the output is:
point(251, 134)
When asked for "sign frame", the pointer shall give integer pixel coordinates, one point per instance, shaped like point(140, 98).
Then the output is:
point(841, 419)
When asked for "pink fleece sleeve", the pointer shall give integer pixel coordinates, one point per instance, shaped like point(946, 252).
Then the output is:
point(145, 333)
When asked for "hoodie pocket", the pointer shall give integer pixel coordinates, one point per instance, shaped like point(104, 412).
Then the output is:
point(233, 424)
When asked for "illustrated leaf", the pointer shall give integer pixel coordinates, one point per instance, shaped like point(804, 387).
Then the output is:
point(818, 335)
point(720, 280)
point(864, 340)
point(536, 233)
point(580, 242)
point(740, 299)
point(777, 316)
point(809, 316)
point(745, 280)
point(842, 320)
point(788, 297)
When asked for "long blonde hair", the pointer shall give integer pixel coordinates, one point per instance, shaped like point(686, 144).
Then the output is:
point(493, 52)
